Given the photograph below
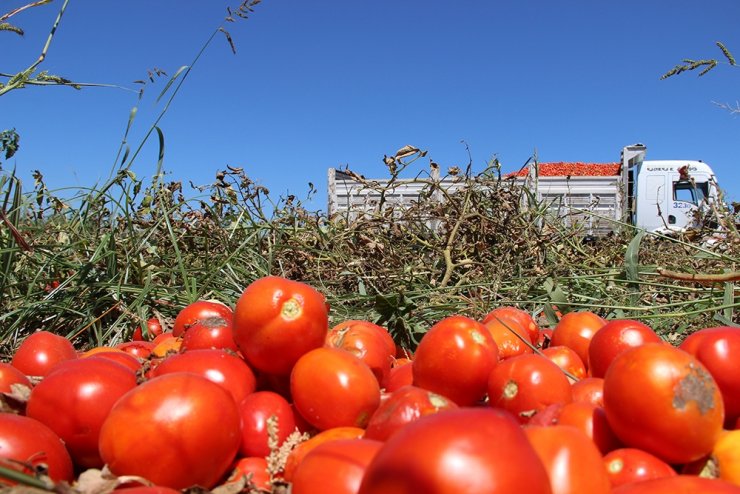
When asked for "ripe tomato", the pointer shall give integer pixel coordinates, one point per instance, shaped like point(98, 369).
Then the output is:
point(473, 449)
point(121, 357)
point(615, 337)
point(165, 429)
point(400, 376)
point(679, 484)
point(277, 321)
point(626, 465)
point(153, 328)
point(296, 456)
point(41, 351)
point(527, 384)
point(454, 359)
point(29, 442)
point(9, 375)
point(575, 330)
point(567, 359)
point(255, 410)
point(522, 318)
point(369, 342)
point(726, 455)
point(211, 332)
point(663, 400)
point(511, 339)
point(591, 420)
point(719, 350)
point(219, 366)
point(335, 466)
point(138, 349)
point(199, 311)
point(402, 407)
point(590, 390)
point(254, 468)
point(332, 388)
point(573, 463)
point(74, 400)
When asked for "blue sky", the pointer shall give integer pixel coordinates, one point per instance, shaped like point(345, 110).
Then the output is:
point(331, 83)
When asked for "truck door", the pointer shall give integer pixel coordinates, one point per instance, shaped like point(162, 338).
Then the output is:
point(651, 202)
point(687, 197)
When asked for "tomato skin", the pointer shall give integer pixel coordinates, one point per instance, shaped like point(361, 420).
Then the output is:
point(27, 440)
point(179, 419)
point(626, 465)
point(573, 463)
point(369, 342)
point(198, 311)
point(663, 400)
point(511, 339)
point(335, 466)
point(138, 349)
point(463, 450)
point(567, 359)
point(74, 400)
point(615, 337)
point(219, 366)
point(400, 376)
point(726, 455)
point(211, 332)
point(590, 390)
point(297, 455)
point(526, 384)
point(402, 407)
point(454, 359)
point(278, 320)
point(679, 484)
point(719, 350)
point(255, 410)
point(521, 317)
point(153, 328)
point(9, 375)
point(120, 357)
point(332, 388)
point(41, 351)
point(255, 469)
point(591, 420)
point(575, 330)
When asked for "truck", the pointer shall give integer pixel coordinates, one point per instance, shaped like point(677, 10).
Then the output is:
point(657, 196)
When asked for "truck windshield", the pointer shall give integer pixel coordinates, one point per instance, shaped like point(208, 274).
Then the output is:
point(690, 192)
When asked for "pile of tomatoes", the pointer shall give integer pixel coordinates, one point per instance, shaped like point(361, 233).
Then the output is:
point(266, 397)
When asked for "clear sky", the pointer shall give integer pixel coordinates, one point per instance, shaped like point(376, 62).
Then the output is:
point(331, 83)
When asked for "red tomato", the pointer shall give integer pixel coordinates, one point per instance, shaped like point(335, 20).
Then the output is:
point(296, 456)
point(153, 328)
point(527, 384)
point(590, 390)
point(474, 449)
point(139, 349)
point(402, 407)
point(211, 332)
point(29, 442)
point(573, 463)
point(163, 430)
point(575, 330)
point(679, 484)
point(219, 366)
point(626, 465)
point(254, 468)
point(591, 420)
point(719, 350)
point(511, 339)
point(369, 342)
point(74, 400)
point(335, 467)
point(663, 400)
point(454, 359)
point(567, 359)
point(255, 410)
point(9, 375)
point(522, 318)
point(120, 357)
point(277, 321)
point(333, 388)
point(41, 351)
point(199, 311)
point(400, 376)
point(615, 337)
point(152, 489)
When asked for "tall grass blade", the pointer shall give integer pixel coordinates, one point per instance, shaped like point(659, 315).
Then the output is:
point(171, 81)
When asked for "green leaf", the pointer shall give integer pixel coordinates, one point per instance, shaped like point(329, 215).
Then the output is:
point(171, 81)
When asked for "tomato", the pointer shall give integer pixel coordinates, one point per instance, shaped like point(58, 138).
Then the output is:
point(719, 350)
point(120, 357)
point(166, 344)
point(575, 330)
point(726, 455)
point(679, 484)
point(211, 332)
point(615, 337)
point(573, 463)
point(165, 429)
point(276, 321)
point(27, 441)
point(663, 400)
point(473, 449)
point(152, 489)
point(511, 339)
point(454, 359)
point(400, 376)
point(199, 311)
point(590, 390)
point(522, 318)
point(567, 359)
point(74, 400)
point(526, 384)
point(255, 411)
point(223, 368)
point(626, 465)
point(296, 456)
point(40, 352)
point(138, 349)
point(369, 342)
point(591, 420)
point(153, 328)
point(333, 388)
point(335, 466)
point(9, 376)
point(402, 407)
point(254, 468)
